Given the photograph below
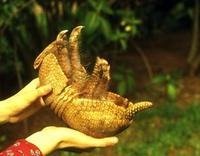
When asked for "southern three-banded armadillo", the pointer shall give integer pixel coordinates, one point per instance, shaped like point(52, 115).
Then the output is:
point(82, 100)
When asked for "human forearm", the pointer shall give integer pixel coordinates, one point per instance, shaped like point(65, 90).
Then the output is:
point(21, 148)
point(4, 112)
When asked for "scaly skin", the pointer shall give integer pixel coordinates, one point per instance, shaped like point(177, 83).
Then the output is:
point(82, 100)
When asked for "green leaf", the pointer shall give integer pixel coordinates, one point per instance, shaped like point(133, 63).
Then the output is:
point(130, 71)
point(171, 91)
point(123, 44)
point(134, 30)
point(1, 22)
point(118, 76)
point(137, 21)
point(108, 10)
point(121, 88)
point(159, 79)
point(23, 35)
point(92, 21)
point(100, 5)
point(2, 138)
point(42, 22)
point(105, 27)
point(130, 83)
point(190, 12)
point(92, 3)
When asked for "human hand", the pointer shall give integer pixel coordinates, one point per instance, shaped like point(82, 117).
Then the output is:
point(23, 104)
point(52, 138)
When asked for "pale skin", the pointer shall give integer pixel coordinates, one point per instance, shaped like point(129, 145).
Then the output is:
point(28, 101)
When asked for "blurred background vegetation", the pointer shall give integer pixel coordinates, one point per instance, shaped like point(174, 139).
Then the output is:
point(153, 49)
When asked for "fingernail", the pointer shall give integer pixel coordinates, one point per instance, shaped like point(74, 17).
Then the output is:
point(114, 140)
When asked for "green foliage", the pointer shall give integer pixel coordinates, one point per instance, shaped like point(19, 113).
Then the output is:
point(165, 15)
point(26, 27)
point(169, 81)
point(180, 12)
point(67, 154)
point(2, 139)
point(124, 79)
point(106, 24)
point(172, 132)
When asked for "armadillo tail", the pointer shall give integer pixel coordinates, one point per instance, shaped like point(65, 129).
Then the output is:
point(139, 106)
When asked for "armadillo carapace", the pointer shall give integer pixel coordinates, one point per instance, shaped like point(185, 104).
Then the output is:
point(81, 99)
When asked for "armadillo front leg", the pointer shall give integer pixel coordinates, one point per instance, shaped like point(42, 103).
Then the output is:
point(103, 82)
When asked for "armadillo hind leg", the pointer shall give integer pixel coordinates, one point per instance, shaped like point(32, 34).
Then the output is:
point(78, 71)
point(63, 54)
point(62, 35)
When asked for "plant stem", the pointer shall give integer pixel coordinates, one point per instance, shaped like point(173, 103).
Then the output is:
point(145, 60)
point(192, 57)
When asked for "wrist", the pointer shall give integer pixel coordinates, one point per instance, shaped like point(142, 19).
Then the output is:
point(44, 140)
point(4, 112)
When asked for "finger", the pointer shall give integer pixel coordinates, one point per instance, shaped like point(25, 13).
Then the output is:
point(110, 141)
point(94, 142)
point(41, 101)
point(37, 93)
point(24, 100)
point(30, 86)
point(19, 103)
point(104, 142)
point(43, 90)
point(25, 114)
point(81, 140)
point(83, 143)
